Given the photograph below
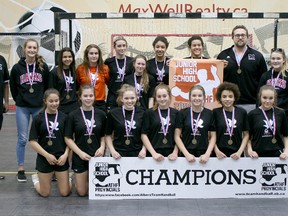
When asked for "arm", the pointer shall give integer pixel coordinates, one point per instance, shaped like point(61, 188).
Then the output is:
point(72, 145)
point(63, 158)
point(243, 145)
point(177, 137)
point(49, 157)
point(150, 148)
point(6, 97)
point(109, 143)
point(219, 153)
point(100, 151)
point(250, 151)
point(212, 141)
point(173, 156)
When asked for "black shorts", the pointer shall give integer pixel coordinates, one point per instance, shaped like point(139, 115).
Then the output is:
point(43, 166)
point(164, 152)
point(128, 153)
point(79, 165)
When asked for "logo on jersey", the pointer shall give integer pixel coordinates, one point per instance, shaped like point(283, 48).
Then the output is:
point(274, 177)
point(130, 125)
point(267, 125)
point(107, 177)
point(25, 79)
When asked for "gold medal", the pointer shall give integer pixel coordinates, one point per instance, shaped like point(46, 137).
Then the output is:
point(31, 90)
point(194, 141)
point(165, 141)
point(67, 96)
point(89, 141)
point(138, 104)
point(230, 141)
point(50, 143)
point(274, 140)
point(239, 71)
point(127, 142)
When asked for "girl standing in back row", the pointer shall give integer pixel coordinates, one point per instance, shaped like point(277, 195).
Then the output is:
point(119, 65)
point(28, 82)
point(94, 72)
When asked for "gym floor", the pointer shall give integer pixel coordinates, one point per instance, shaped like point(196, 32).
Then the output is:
point(21, 199)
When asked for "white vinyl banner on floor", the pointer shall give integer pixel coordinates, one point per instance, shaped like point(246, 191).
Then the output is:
point(134, 178)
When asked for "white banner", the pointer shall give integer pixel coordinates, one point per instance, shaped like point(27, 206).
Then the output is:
point(134, 178)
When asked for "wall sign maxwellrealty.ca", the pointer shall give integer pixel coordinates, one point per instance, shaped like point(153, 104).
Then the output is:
point(133, 178)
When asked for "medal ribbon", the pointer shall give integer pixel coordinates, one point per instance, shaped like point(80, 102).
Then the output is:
point(194, 127)
point(230, 130)
point(93, 81)
point(128, 129)
point(274, 81)
point(50, 132)
point(165, 130)
point(122, 70)
point(67, 81)
point(31, 78)
point(239, 57)
point(89, 129)
point(137, 87)
point(273, 130)
point(162, 71)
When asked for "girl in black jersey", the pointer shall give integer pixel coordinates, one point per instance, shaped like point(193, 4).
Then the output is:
point(195, 134)
point(87, 126)
point(28, 82)
point(125, 124)
point(159, 125)
point(231, 123)
point(120, 65)
point(277, 77)
point(143, 82)
point(63, 79)
point(47, 139)
point(268, 127)
point(196, 47)
point(157, 66)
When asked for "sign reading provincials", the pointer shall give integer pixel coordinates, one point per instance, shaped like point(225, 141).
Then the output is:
point(134, 178)
point(185, 73)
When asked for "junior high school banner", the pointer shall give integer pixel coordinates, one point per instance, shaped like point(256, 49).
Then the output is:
point(134, 178)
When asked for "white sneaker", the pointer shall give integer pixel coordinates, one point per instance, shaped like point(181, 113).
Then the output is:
point(35, 178)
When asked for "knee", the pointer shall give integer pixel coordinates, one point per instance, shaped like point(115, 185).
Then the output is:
point(65, 193)
point(44, 193)
point(82, 193)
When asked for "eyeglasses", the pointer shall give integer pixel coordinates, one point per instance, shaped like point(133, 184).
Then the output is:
point(240, 35)
point(277, 50)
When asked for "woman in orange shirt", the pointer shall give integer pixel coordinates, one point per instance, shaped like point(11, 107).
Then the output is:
point(93, 72)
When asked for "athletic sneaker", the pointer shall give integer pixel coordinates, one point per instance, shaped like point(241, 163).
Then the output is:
point(35, 178)
point(21, 177)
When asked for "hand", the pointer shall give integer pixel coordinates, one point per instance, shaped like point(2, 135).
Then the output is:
point(116, 155)
point(235, 155)
point(190, 158)
point(168, 62)
point(5, 108)
point(62, 160)
point(252, 154)
point(84, 156)
point(225, 63)
point(142, 153)
point(158, 157)
point(100, 152)
point(220, 154)
point(204, 158)
point(51, 159)
point(172, 156)
point(283, 156)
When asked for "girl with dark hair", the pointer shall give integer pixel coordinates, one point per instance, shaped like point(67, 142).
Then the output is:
point(28, 81)
point(196, 46)
point(157, 66)
point(47, 139)
point(94, 72)
point(84, 134)
point(231, 123)
point(63, 78)
point(143, 82)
